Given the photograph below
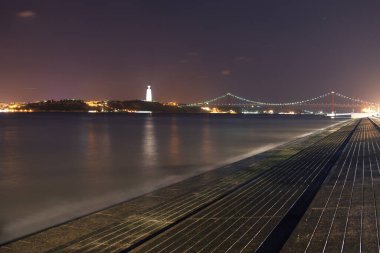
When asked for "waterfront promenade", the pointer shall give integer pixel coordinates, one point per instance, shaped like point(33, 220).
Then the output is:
point(344, 216)
point(313, 194)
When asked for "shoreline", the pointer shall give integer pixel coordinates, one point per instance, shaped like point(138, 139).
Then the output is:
point(145, 200)
point(36, 203)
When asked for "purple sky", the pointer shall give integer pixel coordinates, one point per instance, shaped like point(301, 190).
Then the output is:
point(188, 50)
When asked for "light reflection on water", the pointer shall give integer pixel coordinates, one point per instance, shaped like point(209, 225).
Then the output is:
point(95, 149)
point(149, 144)
point(55, 167)
point(205, 140)
point(10, 167)
point(174, 147)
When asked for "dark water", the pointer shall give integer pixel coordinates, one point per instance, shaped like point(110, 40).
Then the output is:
point(55, 167)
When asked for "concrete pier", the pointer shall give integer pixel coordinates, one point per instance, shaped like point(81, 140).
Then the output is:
point(316, 193)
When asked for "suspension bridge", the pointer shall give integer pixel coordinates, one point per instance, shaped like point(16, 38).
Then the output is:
point(332, 103)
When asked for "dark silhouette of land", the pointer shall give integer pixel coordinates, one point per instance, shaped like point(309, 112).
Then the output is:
point(76, 105)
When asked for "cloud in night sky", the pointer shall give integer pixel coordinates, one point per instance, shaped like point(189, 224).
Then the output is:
point(226, 72)
point(26, 14)
point(193, 53)
point(243, 59)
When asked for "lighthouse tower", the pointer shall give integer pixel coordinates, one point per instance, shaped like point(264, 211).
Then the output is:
point(148, 94)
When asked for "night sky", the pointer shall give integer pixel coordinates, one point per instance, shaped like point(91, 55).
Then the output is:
point(188, 50)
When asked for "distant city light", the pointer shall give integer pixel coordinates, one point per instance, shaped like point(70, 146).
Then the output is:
point(171, 103)
point(368, 110)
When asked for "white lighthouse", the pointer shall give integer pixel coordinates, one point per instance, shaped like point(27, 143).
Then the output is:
point(148, 94)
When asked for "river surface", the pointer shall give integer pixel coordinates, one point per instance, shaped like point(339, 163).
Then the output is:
point(58, 166)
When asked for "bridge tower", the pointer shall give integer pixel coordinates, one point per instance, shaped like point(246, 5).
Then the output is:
point(332, 102)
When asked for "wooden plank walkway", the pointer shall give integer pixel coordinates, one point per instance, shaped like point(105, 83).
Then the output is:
point(344, 216)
